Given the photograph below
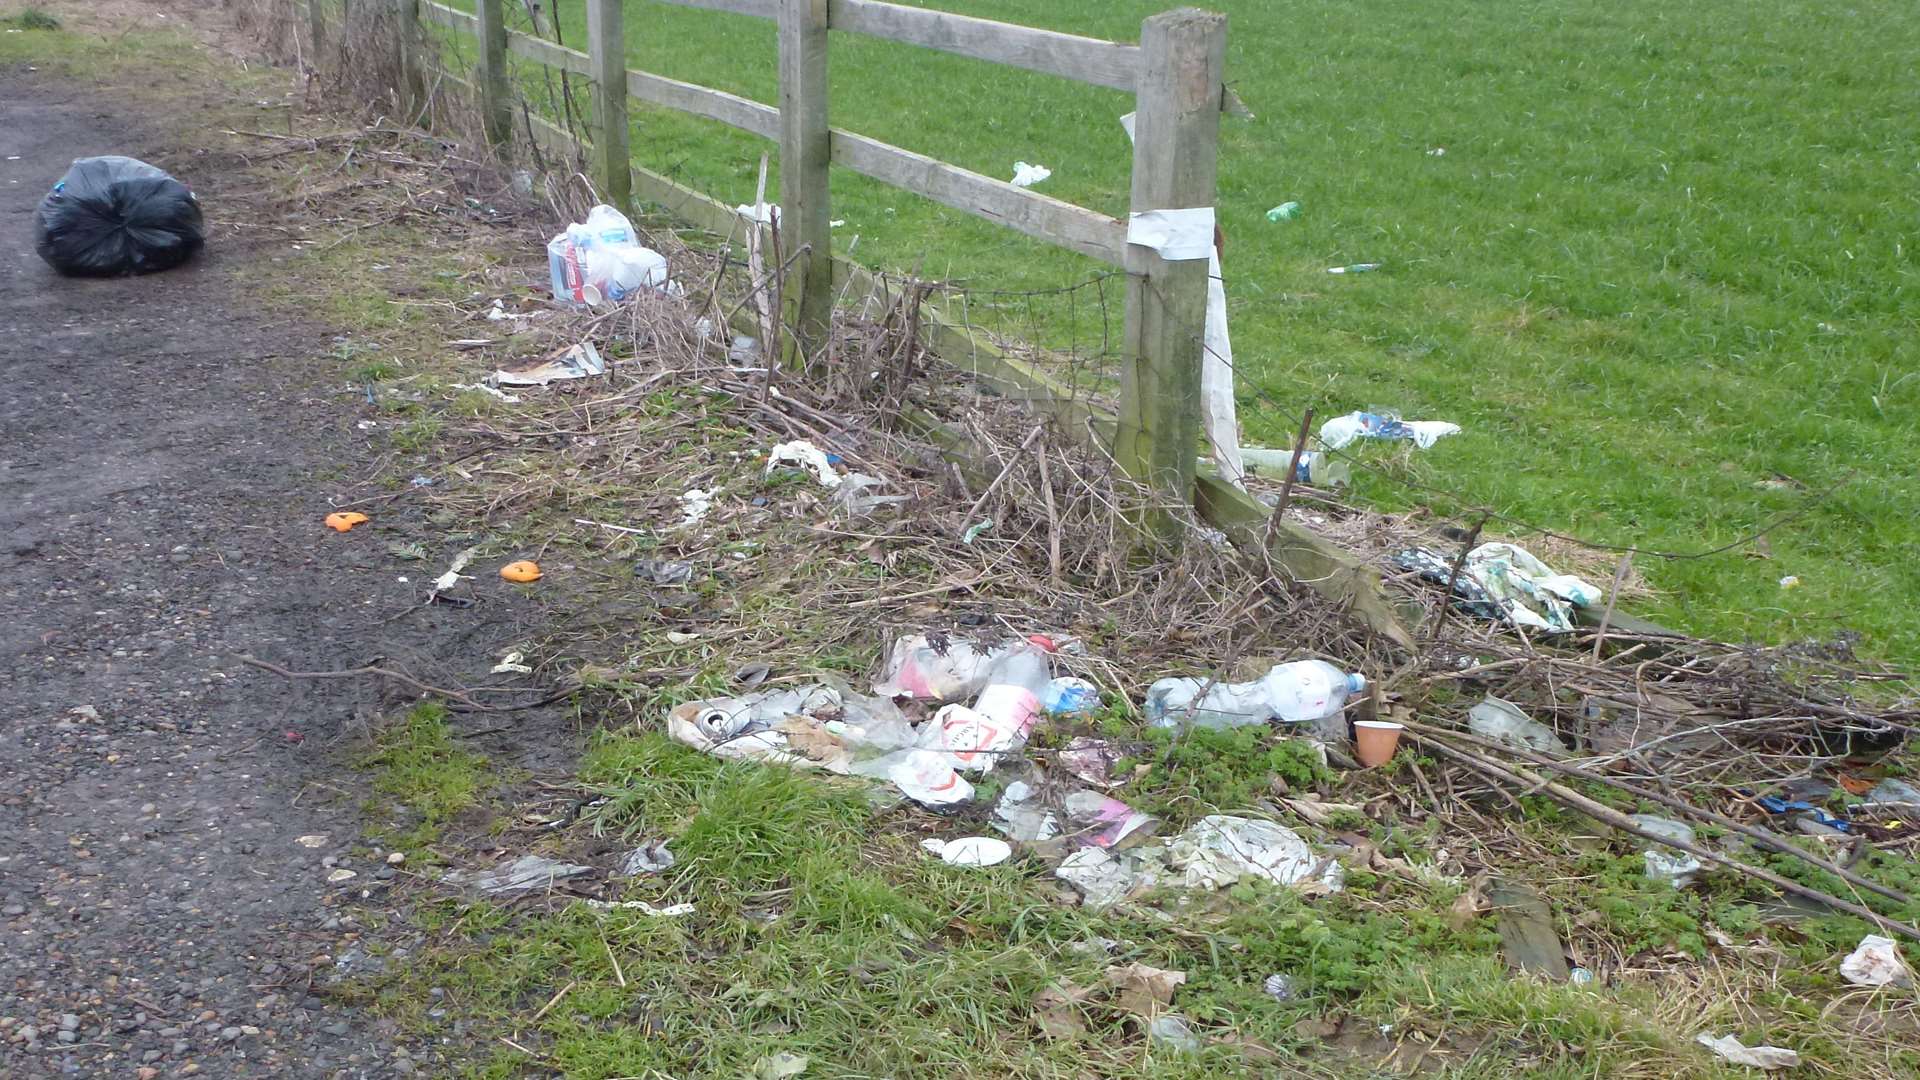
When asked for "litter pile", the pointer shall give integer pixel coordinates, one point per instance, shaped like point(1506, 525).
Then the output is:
point(916, 733)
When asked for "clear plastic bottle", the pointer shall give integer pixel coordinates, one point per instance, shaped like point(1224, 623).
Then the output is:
point(1296, 693)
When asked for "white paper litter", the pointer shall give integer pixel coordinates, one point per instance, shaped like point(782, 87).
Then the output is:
point(764, 213)
point(1176, 235)
point(1025, 175)
point(1219, 419)
point(695, 504)
point(1759, 1057)
point(969, 850)
point(513, 663)
point(671, 911)
point(494, 391)
point(1876, 962)
point(807, 456)
point(1101, 879)
point(452, 577)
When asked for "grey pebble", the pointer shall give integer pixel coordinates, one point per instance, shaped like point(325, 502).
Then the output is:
point(68, 1036)
point(230, 1034)
point(69, 1022)
point(340, 1028)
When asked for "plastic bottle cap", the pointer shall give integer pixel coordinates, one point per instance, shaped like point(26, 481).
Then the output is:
point(1356, 683)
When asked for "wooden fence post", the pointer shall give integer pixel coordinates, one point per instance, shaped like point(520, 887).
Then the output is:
point(316, 31)
point(1175, 155)
point(412, 91)
point(804, 208)
point(607, 62)
point(490, 32)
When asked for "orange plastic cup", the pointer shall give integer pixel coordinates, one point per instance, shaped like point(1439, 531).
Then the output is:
point(1374, 741)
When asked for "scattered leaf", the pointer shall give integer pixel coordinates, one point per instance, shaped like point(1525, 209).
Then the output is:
point(1144, 990)
point(1853, 784)
point(1467, 906)
point(1056, 1011)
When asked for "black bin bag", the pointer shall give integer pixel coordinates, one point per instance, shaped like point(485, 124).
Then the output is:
point(116, 215)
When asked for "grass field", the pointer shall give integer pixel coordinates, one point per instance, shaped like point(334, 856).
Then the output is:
point(1667, 256)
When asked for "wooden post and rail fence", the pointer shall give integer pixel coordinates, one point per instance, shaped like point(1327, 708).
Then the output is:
point(1176, 73)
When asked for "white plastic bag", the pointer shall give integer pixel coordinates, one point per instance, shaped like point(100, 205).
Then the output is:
point(602, 259)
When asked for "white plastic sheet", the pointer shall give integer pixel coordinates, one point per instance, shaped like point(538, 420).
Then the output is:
point(1876, 962)
point(1175, 235)
point(1759, 1057)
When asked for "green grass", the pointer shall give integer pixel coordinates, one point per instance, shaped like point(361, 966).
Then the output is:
point(31, 19)
point(422, 775)
point(821, 929)
point(1669, 252)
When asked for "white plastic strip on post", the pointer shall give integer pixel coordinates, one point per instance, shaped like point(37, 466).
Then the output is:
point(1177, 235)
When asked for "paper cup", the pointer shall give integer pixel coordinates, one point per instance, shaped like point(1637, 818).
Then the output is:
point(1374, 740)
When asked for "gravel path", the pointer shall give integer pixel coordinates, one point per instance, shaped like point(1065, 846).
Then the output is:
point(165, 456)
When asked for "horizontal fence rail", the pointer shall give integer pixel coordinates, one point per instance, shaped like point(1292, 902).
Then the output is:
point(1070, 56)
point(753, 117)
point(452, 18)
point(1083, 59)
point(1040, 216)
point(542, 51)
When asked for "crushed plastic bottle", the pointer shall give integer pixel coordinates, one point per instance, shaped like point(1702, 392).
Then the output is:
point(1296, 693)
point(944, 669)
point(1317, 467)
